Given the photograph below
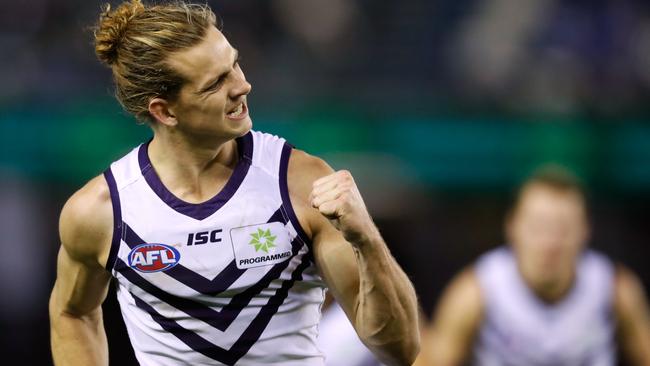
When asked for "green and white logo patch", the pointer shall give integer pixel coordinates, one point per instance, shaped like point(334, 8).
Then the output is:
point(260, 245)
point(262, 240)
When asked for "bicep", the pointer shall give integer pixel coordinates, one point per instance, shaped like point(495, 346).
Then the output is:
point(80, 287)
point(85, 229)
point(455, 322)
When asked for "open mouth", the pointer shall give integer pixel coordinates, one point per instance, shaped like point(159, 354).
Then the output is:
point(238, 112)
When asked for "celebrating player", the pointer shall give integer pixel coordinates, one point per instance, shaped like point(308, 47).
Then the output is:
point(221, 239)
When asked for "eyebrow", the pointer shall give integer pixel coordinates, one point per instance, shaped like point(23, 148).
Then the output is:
point(221, 75)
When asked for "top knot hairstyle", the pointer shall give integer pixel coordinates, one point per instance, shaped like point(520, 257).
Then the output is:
point(135, 40)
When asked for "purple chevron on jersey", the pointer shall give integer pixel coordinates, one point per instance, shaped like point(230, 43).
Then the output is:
point(250, 335)
point(204, 307)
point(191, 279)
point(220, 319)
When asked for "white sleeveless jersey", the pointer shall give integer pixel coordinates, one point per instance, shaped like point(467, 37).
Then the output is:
point(518, 329)
point(228, 281)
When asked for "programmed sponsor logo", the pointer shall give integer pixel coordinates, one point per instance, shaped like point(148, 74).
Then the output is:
point(263, 259)
point(152, 257)
point(260, 245)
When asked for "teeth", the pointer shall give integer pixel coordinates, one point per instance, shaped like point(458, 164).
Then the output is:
point(237, 111)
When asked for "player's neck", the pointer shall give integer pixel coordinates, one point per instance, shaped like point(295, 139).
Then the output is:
point(554, 291)
point(188, 167)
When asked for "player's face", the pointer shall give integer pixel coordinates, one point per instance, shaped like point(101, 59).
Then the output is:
point(213, 101)
point(548, 231)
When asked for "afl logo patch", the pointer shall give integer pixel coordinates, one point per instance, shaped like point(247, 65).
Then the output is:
point(151, 257)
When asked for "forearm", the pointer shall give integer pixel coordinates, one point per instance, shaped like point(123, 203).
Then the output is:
point(386, 315)
point(374, 291)
point(77, 340)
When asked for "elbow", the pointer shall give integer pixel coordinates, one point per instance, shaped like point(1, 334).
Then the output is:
point(409, 350)
point(413, 350)
point(398, 347)
point(402, 352)
point(393, 337)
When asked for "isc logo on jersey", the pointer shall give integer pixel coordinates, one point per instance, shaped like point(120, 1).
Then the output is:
point(153, 257)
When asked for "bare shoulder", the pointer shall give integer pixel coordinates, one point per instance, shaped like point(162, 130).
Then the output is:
point(462, 300)
point(628, 290)
point(632, 316)
point(304, 169)
point(465, 289)
point(86, 222)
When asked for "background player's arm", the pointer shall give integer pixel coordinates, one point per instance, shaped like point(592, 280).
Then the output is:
point(358, 268)
point(76, 326)
point(633, 315)
point(456, 320)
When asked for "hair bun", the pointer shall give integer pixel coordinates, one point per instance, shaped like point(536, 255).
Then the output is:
point(111, 28)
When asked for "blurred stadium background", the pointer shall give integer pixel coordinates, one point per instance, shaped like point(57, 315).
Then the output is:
point(438, 108)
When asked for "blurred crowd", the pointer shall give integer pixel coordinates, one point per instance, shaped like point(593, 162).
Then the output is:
point(551, 56)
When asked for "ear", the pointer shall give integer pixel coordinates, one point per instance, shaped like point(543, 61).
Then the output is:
point(160, 110)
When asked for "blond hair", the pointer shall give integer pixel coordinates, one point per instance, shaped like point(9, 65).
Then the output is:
point(135, 40)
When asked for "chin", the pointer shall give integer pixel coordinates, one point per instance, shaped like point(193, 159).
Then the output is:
point(238, 126)
point(244, 127)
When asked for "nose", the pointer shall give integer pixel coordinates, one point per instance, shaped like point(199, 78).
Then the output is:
point(241, 87)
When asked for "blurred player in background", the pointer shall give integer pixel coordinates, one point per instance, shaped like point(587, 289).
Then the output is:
point(221, 239)
point(545, 299)
point(338, 340)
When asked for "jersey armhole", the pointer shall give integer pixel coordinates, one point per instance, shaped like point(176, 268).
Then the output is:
point(117, 219)
point(284, 193)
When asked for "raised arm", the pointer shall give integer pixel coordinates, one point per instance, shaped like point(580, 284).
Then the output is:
point(633, 316)
point(353, 259)
point(448, 341)
point(76, 326)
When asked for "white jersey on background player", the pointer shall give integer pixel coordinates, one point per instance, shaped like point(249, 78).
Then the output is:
point(544, 300)
point(339, 342)
point(520, 329)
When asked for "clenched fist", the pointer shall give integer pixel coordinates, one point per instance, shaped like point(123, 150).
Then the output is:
point(337, 197)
